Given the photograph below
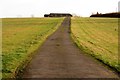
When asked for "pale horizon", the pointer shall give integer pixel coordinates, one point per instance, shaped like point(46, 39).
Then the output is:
point(37, 8)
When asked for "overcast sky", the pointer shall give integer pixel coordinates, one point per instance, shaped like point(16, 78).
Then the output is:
point(26, 8)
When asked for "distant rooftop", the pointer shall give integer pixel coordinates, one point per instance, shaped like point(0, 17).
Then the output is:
point(58, 15)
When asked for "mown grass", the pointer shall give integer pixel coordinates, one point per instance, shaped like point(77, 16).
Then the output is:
point(98, 37)
point(0, 48)
point(21, 37)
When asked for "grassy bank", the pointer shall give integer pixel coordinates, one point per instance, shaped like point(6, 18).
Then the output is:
point(21, 37)
point(98, 37)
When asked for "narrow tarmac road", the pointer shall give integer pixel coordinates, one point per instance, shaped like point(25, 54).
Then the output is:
point(59, 57)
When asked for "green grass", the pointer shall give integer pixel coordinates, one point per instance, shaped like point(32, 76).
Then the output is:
point(97, 37)
point(0, 48)
point(21, 37)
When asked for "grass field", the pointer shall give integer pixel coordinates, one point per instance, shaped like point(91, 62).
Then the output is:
point(0, 48)
point(97, 37)
point(21, 37)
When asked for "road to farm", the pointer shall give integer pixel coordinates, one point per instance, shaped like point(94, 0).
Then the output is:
point(59, 57)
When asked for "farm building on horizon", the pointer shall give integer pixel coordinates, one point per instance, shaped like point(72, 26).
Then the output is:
point(111, 15)
point(58, 15)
